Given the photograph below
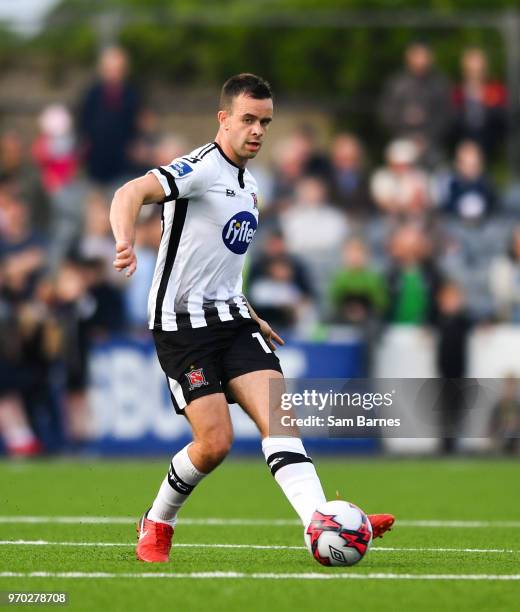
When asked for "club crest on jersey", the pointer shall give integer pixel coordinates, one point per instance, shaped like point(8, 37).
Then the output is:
point(180, 168)
point(239, 231)
point(196, 379)
point(255, 200)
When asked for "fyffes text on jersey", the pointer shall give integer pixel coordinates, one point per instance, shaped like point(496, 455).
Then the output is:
point(238, 232)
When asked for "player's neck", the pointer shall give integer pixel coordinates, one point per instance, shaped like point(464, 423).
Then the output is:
point(227, 150)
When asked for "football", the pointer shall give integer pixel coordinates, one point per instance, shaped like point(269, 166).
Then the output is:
point(338, 534)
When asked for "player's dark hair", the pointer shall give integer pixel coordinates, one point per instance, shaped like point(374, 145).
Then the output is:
point(244, 83)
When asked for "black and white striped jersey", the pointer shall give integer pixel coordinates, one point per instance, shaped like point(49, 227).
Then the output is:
point(209, 218)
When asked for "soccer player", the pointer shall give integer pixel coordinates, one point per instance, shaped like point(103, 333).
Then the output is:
point(210, 343)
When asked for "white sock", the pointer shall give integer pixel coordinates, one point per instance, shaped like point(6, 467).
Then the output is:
point(175, 489)
point(295, 473)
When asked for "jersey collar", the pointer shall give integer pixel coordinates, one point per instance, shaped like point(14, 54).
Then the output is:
point(229, 161)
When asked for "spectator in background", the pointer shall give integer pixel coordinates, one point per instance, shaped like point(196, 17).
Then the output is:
point(166, 149)
point(314, 230)
point(415, 104)
point(72, 308)
point(412, 278)
point(278, 282)
point(54, 149)
point(27, 336)
point(56, 154)
point(504, 425)
point(88, 308)
point(107, 313)
point(401, 188)
point(504, 281)
point(22, 250)
point(275, 295)
point(316, 162)
point(31, 347)
point(358, 296)
point(97, 241)
point(289, 168)
point(472, 235)
point(18, 174)
point(108, 120)
point(16, 433)
point(357, 291)
point(349, 177)
point(40, 343)
point(143, 148)
point(466, 253)
point(312, 225)
point(296, 157)
point(275, 247)
point(453, 326)
point(480, 104)
point(467, 192)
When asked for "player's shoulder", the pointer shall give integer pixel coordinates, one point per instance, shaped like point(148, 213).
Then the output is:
point(203, 152)
point(199, 162)
point(250, 179)
point(205, 157)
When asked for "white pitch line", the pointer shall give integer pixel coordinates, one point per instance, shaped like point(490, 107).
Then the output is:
point(252, 546)
point(264, 576)
point(123, 520)
point(228, 522)
point(181, 545)
point(458, 523)
point(455, 550)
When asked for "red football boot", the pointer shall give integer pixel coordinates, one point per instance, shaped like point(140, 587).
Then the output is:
point(154, 541)
point(381, 523)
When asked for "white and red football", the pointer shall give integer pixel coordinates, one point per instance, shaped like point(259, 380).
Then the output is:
point(338, 534)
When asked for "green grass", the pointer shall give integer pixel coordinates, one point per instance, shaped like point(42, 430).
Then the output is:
point(411, 489)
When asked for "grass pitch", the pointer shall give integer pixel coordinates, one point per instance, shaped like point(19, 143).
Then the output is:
point(434, 565)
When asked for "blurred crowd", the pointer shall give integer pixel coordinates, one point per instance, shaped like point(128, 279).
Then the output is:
point(419, 234)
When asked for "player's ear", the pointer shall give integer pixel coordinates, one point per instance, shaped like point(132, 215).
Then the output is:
point(223, 118)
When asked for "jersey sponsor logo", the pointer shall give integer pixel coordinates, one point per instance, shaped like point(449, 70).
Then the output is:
point(180, 168)
point(196, 379)
point(239, 231)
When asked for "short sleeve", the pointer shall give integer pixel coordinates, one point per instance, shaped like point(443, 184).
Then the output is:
point(185, 178)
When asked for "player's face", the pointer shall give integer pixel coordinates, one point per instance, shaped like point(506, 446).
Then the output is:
point(246, 124)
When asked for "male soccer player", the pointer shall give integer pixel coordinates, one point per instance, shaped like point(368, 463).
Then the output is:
point(210, 342)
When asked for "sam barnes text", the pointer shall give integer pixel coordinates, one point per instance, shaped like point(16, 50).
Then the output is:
point(332, 421)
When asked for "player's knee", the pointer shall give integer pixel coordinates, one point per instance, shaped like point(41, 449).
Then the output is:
point(216, 446)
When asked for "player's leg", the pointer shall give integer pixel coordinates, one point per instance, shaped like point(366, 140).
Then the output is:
point(255, 380)
point(212, 437)
point(259, 394)
point(285, 455)
point(190, 361)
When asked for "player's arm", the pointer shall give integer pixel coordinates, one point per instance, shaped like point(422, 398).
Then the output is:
point(124, 211)
point(267, 331)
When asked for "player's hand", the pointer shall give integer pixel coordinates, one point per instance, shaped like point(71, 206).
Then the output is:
point(270, 336)
point(125, 258)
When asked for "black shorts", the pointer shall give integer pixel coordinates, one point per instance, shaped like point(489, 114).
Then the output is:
point(203, 360)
